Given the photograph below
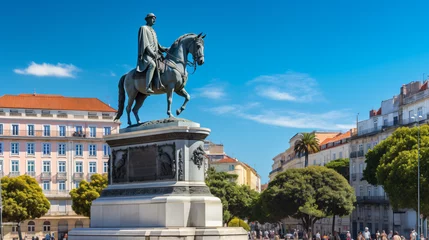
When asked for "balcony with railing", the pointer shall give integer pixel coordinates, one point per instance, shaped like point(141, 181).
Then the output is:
point(416, 97)
point(14, 174)
point(57, 193)
point(45, 176)
point(31, 174)
point(61, 176)
point(353, 154)
point(372, 199)
point(78, 176)
point(360, 153)
point(48, 134)
point(275, 170)
point(357, 176)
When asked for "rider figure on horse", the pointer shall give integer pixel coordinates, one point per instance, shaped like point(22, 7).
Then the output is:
point(149, 52)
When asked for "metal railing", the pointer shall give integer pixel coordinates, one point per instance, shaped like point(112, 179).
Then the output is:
point(360, 153)
point(45, 176)
point(47, 134)
point(32, 174)
point(77, 176)
point(61, 176)
point(353, 154)
point(14, 174)
point(357, 176)
point(416, 97)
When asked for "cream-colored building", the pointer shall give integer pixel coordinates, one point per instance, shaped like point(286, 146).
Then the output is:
point(58, 141)
point(246, 174)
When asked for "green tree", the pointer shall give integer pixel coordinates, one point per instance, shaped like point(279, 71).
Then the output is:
point(308, 143)
point(23, 199)
point(341, 166)
point(308, 194)
point(237, 201)
point(237, 222)
point(393, 162)
point(86, 193)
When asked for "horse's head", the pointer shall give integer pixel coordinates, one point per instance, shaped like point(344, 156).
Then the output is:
point(196, 48)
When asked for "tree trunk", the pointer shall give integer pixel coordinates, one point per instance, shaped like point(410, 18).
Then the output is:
point(306, 159)
point(19, 230)
point(333, 224)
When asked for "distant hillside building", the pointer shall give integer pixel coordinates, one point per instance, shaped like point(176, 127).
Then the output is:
point(214, 151)
point(246, 174)
point(58, 141)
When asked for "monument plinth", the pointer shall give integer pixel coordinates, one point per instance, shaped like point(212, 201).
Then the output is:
point(156, 187)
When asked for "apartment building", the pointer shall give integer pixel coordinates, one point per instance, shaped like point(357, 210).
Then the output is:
point(333, 145)
point(288, 158)
point(246, 174)
point(373, 210)
point(214, 151)
point(59, 141)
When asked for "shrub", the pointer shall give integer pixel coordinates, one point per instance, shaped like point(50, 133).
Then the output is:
point(236, 222)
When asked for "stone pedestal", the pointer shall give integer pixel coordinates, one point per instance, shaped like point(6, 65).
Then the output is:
point(156, 187)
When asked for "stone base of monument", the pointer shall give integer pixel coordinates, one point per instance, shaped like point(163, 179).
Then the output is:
point(156, 187)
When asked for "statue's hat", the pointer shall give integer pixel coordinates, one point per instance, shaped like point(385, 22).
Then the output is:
point(149, 15)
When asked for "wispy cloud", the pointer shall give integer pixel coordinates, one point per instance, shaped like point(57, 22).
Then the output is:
point(110, 74)
point(331, 120)
point(211, 91)
point(291, 86)
point(49, 70)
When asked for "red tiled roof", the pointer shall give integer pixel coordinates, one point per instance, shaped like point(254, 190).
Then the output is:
point(424, 86)
point(337, 138)
point(226, 160)
point(53, 102)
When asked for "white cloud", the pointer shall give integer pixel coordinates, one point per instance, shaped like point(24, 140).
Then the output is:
point(112, 74)
point(46, 69)
point(291, 86)
point(331, 120)
point(211, 91)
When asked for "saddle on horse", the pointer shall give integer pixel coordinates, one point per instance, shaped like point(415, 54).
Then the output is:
point(160, 69)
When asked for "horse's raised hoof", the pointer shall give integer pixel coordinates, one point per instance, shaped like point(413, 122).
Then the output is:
point(178, 112)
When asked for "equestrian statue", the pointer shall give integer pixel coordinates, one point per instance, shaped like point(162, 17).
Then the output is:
point(156, 74)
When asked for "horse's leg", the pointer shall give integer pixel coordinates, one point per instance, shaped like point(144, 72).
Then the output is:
point(131, 98)
point(184, 94)
point(170, 90)
point(139, 102)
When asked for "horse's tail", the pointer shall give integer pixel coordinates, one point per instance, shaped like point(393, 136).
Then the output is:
point(121, 98)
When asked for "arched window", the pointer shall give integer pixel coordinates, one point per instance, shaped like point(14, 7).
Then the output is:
point(78, 224)
point(46, 226)
point(31, 226)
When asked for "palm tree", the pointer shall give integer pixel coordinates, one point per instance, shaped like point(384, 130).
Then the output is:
point(308, 143)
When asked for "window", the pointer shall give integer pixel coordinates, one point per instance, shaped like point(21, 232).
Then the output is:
point(369, 189)
point(420, 112)
point(30, 148)
point(46, 166)
point(14, 148)
point(92, 132)
point(1, 166)
point(62, 149)
point(79, 167)
point(46, 226)
point(46, 130)
point(1, 148)
point(79, 148)
point(92, 150)
point(46, 149)
point(62, 166)
point(62, 131)
point(341, 155)
point(105, 167)
point(411, 114)
point(107, 130)
point(1, 129)
point(78, 129)
point(14, 229)
point(46, 185)
point(334, 156)
point(106, 150)
point(30, 166)
point(15, 166)
point(30, 130)
point(360, 147)
point(92, 167)
point(361, 190)
point(61, 185)
point(76, 184)
point(231, 168)
point(15, 129)
point(31, 226)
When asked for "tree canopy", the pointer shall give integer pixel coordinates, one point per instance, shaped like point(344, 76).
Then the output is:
point(308, 194)
point(393, 165)
point(308, 143)
point(86, 193)
point(23, 199)
point(237, 200)
point(341, 166)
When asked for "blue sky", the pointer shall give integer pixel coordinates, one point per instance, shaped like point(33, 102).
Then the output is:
point(273, 68)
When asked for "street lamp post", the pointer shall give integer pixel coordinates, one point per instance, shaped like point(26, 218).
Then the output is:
point(418, 177)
